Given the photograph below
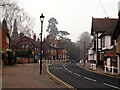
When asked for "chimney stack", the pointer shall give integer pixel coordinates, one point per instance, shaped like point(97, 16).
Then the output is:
point(21, 35)
point(118, 6)
point(119, 9)
point(38, 39)
point(34, 37)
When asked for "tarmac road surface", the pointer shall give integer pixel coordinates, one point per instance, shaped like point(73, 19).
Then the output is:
point(81, 78)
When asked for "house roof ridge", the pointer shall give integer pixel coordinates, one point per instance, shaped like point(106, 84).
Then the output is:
point(105, 18)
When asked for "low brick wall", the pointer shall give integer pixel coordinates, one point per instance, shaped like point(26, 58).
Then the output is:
point(24, 60)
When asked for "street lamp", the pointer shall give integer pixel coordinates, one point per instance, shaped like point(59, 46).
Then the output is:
point(41, 19)
point(84, 53)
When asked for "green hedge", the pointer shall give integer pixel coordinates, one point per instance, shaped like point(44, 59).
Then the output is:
point(23, 54)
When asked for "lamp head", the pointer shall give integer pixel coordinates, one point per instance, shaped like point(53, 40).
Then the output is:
point(42, 17)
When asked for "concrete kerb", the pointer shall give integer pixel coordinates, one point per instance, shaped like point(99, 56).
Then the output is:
point(59, 80)
point(98, 72)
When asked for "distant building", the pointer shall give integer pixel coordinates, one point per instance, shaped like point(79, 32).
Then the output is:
point(55, 49)
point(90, 52)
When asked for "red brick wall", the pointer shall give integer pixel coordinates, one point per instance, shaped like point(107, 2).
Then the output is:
point(0, 39)
point(24, 60)
point(4, 42)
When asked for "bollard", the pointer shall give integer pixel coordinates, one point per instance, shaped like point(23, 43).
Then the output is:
point(95, 66)
point(90, 66)
point(105, 69)
point(80, 61)
point(112, 69)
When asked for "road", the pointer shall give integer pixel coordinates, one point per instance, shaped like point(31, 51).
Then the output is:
point(81, 78)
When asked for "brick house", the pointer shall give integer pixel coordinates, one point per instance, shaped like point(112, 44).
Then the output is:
point(24, 43)
point(20, 42)
point(55, 49)
point(5, 40)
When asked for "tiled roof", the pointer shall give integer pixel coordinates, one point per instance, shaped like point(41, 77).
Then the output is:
point(36, 44)
point(106, 25)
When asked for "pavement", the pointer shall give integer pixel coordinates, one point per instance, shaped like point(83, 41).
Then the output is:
point(98, 70)
point(27, 76)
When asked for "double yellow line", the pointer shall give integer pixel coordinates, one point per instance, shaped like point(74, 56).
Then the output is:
point(64, 83)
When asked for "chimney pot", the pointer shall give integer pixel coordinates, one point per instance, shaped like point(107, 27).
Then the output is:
point(21, 35)
point(38, 40)
point(34, 37)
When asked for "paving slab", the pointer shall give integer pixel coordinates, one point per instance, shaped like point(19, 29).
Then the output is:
point(27, 76)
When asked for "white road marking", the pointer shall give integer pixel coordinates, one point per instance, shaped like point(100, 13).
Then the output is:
point(69, 71)
point(60, 68)
point(111, 85)
point(66, 68)
point(90, 79)
point(55, 67)
point(77, 74)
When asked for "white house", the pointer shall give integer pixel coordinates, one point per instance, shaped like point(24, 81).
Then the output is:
point(102, 30)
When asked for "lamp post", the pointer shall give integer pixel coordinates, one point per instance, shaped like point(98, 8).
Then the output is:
point(84, 53)
point(41, 53)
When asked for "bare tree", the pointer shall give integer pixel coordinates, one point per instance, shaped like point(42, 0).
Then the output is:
point(12, 11)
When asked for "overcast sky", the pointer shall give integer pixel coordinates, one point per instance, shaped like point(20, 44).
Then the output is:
point(74, 16)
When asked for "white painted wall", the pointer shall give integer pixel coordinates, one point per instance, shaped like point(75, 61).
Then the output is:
point(99, 34)
point(107, 42)
point(90, 52)
point(99, 43)
point(95, 56)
